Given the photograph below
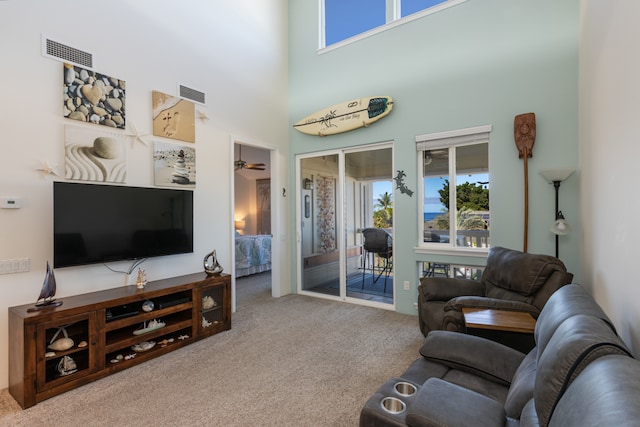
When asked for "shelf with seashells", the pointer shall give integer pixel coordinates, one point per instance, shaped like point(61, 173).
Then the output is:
point(212, 313)
point(148, 326)
point(97, 334)
point(66, 350)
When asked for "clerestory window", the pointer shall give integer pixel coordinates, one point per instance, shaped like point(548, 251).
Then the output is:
point(346, 19)
point(455, 184)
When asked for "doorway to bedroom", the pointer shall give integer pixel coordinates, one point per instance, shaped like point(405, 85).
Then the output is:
point(252, 222)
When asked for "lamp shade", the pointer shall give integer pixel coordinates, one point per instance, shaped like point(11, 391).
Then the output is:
point(239, 224)
point(556, 174)
point(561, 227)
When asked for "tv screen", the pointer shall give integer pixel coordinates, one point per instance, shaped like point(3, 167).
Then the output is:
point(94, 223)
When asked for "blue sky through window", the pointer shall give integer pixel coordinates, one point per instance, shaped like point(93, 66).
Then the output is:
point(381, 187)
point(347, 18)
point(409, 7)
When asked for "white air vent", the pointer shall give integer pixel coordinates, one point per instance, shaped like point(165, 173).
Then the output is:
point(192, 94)
point(61, 52)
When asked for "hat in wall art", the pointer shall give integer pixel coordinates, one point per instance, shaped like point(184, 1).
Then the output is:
point(93, 97)
point(174, 165)
point(173, 117)
point(93, 155)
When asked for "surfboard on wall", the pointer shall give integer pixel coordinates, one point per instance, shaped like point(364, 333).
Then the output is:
point(346, 116)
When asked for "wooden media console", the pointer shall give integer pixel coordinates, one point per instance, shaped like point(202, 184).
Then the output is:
point(97, 334)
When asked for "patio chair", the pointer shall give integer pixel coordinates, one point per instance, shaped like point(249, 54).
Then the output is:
point(378, 242)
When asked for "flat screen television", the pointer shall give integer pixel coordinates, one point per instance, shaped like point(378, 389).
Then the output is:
point(96, 223)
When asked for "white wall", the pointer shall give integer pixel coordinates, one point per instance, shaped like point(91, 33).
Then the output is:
point(233, 50)
point(609, 156)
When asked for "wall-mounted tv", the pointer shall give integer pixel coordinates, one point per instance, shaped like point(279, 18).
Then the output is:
point(95, 223)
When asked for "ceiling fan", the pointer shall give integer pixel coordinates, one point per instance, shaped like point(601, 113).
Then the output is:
point(430, 154)
point(241, 164)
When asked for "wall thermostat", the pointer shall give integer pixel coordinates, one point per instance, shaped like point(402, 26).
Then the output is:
point(10, 203)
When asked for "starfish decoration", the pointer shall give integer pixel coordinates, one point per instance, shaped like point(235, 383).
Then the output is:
point(137, 136)
point(202, 116)
point(48, 169)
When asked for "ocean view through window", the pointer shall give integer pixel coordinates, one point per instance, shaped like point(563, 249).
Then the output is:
point(455, 177)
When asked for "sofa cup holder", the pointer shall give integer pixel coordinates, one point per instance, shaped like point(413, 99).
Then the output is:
point(405, 389)
point(393, 405)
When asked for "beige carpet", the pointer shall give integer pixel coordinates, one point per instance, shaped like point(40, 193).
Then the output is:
point(291, 361)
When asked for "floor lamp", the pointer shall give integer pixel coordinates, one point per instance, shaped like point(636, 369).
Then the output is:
point(555, 177)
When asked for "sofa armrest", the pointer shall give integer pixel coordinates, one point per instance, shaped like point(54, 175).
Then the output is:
point(445, 288)
point(480, 356)
point(440, 403)
point(490, 303)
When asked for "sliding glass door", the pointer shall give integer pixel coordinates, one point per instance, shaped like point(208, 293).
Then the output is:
point(341, 193)
point(319, 223)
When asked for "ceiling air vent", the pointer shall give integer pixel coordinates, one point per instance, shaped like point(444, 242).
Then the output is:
point(61, 52)
point(192, 94)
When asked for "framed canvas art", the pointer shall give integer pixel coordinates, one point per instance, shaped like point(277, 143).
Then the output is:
point(93, 97)
point(92, 155)
point(173, 117)
point(174, 165)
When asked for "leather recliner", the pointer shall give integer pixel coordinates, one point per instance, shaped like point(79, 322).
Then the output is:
point(579, 374)
point(512, 280)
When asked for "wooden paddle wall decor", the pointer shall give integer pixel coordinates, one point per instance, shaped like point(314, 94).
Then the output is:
point(524, 131)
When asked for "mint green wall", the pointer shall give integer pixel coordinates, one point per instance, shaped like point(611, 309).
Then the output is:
point(481, 62)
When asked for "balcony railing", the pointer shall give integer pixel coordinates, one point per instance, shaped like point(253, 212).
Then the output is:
point(464, 238)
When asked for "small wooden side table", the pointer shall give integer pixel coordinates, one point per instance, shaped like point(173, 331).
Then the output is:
point(512, 328)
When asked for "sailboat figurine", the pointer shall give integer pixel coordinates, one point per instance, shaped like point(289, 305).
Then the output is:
point(45, 299)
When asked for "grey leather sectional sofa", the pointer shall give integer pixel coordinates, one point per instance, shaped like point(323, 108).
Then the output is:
point(579, 374)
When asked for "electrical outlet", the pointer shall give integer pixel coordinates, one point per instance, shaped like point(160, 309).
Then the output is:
point(407, 285)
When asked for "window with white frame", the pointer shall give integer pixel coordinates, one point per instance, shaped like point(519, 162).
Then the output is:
point(343, 19)
point(455, 180)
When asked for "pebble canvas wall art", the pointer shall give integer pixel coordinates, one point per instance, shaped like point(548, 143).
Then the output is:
point(174, 165)
point(93, 97)
point(173, 117)
point(92, 155)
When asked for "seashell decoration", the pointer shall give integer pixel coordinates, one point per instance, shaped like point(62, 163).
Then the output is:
point(208, 302)
point(205, 322)
point(148, 306)
point(61, 344)
point(67, 366)
point(143, 346)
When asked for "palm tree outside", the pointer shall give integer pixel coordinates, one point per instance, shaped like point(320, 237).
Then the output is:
point(383, 211)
